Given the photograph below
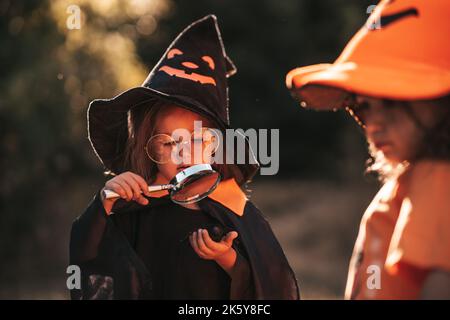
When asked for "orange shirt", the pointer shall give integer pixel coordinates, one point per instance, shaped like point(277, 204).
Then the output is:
point(404, 233)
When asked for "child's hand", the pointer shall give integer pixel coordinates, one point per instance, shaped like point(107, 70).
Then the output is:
point(222, 252)
point(129, 186)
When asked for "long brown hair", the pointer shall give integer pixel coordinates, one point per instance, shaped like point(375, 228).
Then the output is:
point(436, 144)
point(141, 126)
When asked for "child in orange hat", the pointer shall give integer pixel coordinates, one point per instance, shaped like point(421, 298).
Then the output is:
point(403, 248)
point(395, 81)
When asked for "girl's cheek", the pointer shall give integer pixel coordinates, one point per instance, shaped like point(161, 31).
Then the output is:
point(412, 139)
point(414, 145)
point(207, 158)
point(167, 170)
point(409, 139)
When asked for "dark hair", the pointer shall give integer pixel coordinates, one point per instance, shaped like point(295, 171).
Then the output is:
point(437, 139)
point(435, 146)
point(141, 126)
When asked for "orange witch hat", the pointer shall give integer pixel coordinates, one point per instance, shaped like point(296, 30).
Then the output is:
point(401, 53)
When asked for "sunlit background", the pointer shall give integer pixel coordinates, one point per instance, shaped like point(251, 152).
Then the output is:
point(49, 73)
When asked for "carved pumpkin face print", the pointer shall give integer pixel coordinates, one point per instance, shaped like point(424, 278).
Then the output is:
point(189, 69)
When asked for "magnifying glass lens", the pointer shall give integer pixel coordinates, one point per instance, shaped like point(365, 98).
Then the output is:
point(195, 187)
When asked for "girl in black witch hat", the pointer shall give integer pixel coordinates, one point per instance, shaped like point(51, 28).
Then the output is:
point(218, 248)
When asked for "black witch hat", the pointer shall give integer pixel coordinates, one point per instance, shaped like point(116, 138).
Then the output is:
point(192, 74)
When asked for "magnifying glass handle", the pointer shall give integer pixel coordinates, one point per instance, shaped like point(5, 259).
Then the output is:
point(108, 194)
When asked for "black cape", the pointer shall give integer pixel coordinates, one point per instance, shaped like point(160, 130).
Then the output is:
point(111, 268)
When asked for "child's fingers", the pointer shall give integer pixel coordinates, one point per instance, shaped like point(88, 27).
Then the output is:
point(230, 237)
point(210, 243)
point(141, 182)
point(133, 185)
point(118, 189)
point(137, 195)
point(190, 241)
point(201, 244)
point(138, 187)
point(193, 242)
point(125, 187)
point(142, 200)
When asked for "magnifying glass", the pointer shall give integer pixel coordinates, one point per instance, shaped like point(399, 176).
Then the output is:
point(188, 186)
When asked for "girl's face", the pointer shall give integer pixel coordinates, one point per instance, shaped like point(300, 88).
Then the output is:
point(169, 119)
point(391, 129)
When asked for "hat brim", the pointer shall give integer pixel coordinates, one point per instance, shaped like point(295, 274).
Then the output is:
point(326, 86)
point(107, 121)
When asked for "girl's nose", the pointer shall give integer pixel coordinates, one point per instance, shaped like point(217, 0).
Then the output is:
point(185, 151)
point(374, 119)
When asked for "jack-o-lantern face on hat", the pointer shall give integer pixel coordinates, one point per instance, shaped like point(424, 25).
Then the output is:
point(192, 73)
point(199, 71)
